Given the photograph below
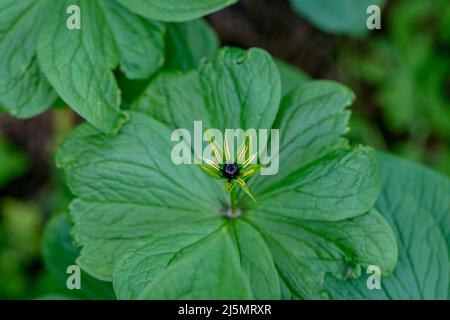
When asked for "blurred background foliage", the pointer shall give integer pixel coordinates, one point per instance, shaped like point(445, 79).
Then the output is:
point(405, 75)
point(400, 74)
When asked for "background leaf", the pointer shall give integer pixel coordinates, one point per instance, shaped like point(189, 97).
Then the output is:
point(416, 203)
point(78, 64)
point(343, 16)
point(24, 91)
point(140, 41)
point(188, 43)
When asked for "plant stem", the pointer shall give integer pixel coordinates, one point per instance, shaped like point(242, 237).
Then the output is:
point(233, 203)
point(233, 199)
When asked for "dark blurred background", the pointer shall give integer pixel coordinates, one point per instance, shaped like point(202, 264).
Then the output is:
point(400, 74)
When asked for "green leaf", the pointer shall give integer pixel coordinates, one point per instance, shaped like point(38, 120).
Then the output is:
point(24, 91)
point(241, 88)
point(219, 276)
point(146, 259)
point(78, 64)
point(12, 162)
point(180, 10)
point(312, 118)
point(175, 99)
point(342, 185)
point(416, 202)
point(214, 96)
point(304, 250)
point(140, 41)
point(169, 252)
point(121, 198)
point(59, 253)
point(341, 17)
point(256, 261)
point(188, 42)
point(38, 49)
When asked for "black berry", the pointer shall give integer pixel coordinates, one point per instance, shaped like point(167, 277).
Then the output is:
point(230, 171)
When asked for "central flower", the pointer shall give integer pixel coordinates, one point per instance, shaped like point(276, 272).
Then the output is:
point(230, 171)
point(234, 169)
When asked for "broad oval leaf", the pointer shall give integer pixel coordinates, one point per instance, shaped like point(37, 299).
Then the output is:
point(78, 64)
point(343, 16)
point(242, 89)
point(256, 260)
point(213, 95)
point(415, 201)
point(305, 251)
point(211, 270)
point(143, 262)
point(341, 185)
point(312, 119)
point(175, 99)
point(188, 42)
point(24, 91)
point(140, 41)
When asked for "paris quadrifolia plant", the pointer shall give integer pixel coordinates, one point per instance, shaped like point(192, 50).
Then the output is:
point(159, 229)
